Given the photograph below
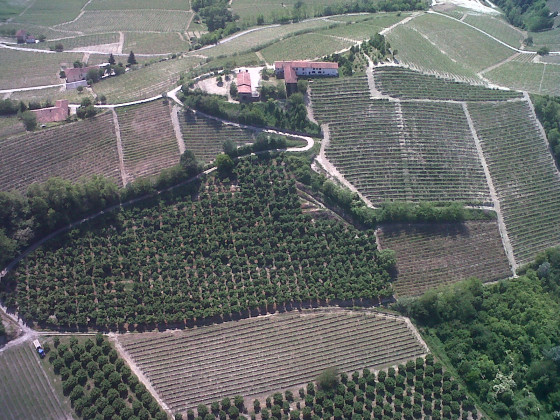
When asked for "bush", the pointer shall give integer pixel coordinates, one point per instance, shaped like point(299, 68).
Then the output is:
point(29, 120)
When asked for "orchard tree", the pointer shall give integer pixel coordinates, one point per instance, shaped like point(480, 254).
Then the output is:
point(131, 59)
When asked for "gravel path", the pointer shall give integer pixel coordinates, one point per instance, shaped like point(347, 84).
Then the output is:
point(124, 175)
point(177, 128)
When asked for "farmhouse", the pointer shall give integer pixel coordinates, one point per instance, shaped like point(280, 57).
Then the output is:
point(291, 70)
point(56, 113)
point(77, 76)
point(23, 37)
point(245, 92)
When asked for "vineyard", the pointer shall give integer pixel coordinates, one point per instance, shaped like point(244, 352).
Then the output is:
point(524, 174)
point(351, 97)
point(430, 255)
point(259, 355)
point(234, 248)
point(70, 151)
point(149, 142)
point(25, 390)
point(408, 151)
point(205, 136)
point(10, 126)
point(403, 83)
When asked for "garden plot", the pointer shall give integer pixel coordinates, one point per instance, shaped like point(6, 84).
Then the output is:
point(148, 138)
point(70, 151)
point(434, 254)
point(205, 137)
point(523, 173)
point(264, 354)
point(25, 390)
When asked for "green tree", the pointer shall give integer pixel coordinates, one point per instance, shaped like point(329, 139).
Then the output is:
point(131, 59)
point(190, 164)
point(328, 379)
point(29, 120)
point(225, 165)
point(111, 59)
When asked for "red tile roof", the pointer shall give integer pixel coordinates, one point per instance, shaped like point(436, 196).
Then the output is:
point(52, 114)
point(76, 74)
point(243, 82)
point(290, 74)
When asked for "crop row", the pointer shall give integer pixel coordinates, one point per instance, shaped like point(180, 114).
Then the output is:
point(431, 255)
point(403, 83)
point(524, 174)
point(205, 137)
point(261, 354)
point(149, 141)
point(402, 151)
point(69, 151)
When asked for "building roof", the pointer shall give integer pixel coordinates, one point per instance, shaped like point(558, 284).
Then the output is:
point(59, 112)
point(290, 74)
point(243, 82)
point(305, 64)
point(77, 73)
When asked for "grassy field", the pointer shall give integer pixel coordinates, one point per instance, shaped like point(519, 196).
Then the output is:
point(27, 69)
point(25, 390)
point(265, 354)
point(51, 94)
point(498, 28)
point(430, 255)
point(550, 38)
point(205, 137)
point(364, 28)
point(417, 51)
point(146, 82)
point(523, 173)
point(152, 43)
point(465, 45)
point(70, 151)
point(51, 12)
point(70, 43)
point(149, 142)
point(532, 77)
point(305, 46)
point(130, 20)
point(10, 126)
point(262, 37)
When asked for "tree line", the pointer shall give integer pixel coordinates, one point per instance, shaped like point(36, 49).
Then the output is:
point(547, 109)
point(502, 339)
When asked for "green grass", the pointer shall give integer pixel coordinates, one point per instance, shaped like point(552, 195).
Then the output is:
point(146, 82)
point(51, 12)
point(418, 52)
point(130, 20)
point(80, 41)
point(306, 46)
point(52, 94)
point(138, 4)
point(27, 69)
point(152, 43)
point(365, 29)
point(11, 8)
point(263, 37)
point(10, 126)
point(465, 45)
point(37, 30)
point(249, 10)
point(498, 28)
point(550, 38)
point(532, 77)
point(25, 390)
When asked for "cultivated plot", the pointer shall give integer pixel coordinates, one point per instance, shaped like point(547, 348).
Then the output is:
point(304, 47)
point(524, 174)
point(403, 83)
point(51, 12)
point(25, 390)
point(497, 27)
point(138, 4)
point(264, 354)
point(153, 43)
point(148, 139)
point(434, 254)
point(531, 77)
point(205, 137)
point(10, 126)
point(270, 9)
point(364, 28)
point(70, 151)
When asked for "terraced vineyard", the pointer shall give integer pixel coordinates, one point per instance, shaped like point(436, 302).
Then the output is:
point(400, 82)
point(70, 151)
point(25, 391)
point(409, 151)
point(259, 355)
point(205, 137)
point(430, 255)
point(524, 174)
point(148, 138)
point(351, 96)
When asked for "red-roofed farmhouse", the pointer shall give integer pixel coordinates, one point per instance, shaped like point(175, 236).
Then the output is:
point(56, 113)
point(291, 70)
